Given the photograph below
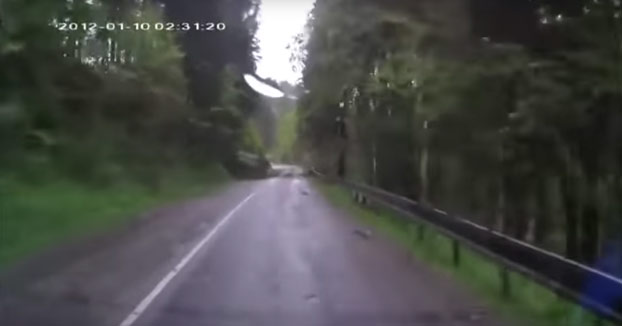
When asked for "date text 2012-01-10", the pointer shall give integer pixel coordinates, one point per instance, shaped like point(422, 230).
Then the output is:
point(119, 26)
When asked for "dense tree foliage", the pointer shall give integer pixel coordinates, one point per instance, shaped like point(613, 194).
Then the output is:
point(508, 112)
point(208, 54)
point(103, 104)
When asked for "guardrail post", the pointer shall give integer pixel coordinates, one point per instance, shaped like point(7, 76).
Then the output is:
point(420, 232)
point(506, 290)
point(499, 248)
point(456, 252)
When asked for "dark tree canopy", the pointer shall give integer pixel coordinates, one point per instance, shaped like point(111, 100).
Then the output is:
point(506, 111)
point(207, 54)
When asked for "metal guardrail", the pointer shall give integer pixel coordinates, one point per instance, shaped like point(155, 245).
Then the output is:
point(565, 277)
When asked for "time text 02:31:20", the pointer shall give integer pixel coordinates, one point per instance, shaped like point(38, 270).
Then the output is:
point(73, 26)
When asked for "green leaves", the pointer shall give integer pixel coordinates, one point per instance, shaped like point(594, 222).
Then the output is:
point(121, 94)
point(11, 48)
point(429, 105)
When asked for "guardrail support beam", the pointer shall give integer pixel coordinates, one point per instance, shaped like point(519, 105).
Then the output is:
point(515, 256)
point(506, 290)
point(456, 252)
point(420, 232)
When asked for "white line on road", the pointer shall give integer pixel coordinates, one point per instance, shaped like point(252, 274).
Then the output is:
point(144, 304)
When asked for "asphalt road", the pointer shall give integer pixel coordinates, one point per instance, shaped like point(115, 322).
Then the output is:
point(270, 252)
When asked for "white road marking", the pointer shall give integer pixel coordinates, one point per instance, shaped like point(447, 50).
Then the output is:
point(144, 304)
point(440, 211)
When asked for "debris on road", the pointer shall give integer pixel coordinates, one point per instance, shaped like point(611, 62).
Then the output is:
point(75, 295)
point(365, 234)
point(311, 297)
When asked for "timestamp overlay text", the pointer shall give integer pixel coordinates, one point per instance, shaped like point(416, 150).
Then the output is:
point(140, 26)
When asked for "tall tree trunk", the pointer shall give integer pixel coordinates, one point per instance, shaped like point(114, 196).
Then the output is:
point(424, 172)
point(70, 46)
point(569, 200)
point(341, 164)
point(356, 164)
point(543, 211)
point(108, 57)
point(374, 164)
point(501, 207)
point(425, 182)
point(517, 221)
point(501, 181)
point(521, 222)
point(79, 46)
point(115, 51)
point(590, 224)
point(487, 210)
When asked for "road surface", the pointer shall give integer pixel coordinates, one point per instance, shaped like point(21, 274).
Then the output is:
point(270, 252)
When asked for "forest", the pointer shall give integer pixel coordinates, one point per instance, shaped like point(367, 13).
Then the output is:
point(102, 121)
point(143, 99)
point(508, 113)
point(126, 148)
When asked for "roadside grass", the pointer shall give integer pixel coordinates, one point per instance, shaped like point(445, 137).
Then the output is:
point(34, 216)
point(528, 304)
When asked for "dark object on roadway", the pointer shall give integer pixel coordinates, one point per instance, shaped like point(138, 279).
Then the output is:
point(365, 234)
point(247, 165)
point(311, 297)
